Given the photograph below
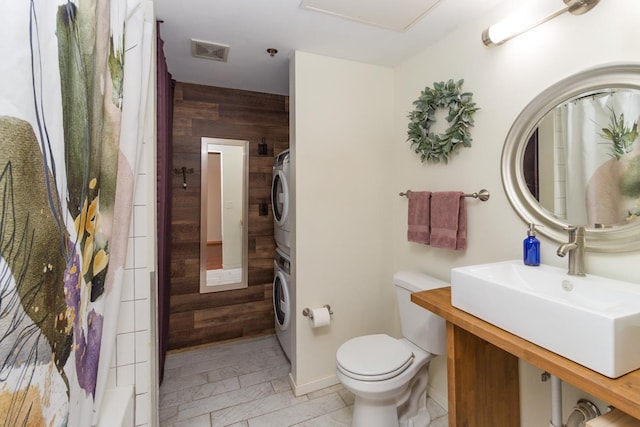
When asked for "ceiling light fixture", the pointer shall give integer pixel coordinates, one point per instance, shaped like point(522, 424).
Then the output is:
point(272, 52)
point(536, 13)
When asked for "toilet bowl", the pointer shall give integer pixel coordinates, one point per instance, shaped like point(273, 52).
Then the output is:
point(389, 376)
point(385, 381)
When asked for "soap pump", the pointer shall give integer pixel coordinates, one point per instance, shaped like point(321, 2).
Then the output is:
point(531, 247)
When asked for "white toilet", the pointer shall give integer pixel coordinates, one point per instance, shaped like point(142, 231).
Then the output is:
point(389, 376)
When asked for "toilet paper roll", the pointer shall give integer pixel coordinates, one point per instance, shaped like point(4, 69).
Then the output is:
point(321, 317)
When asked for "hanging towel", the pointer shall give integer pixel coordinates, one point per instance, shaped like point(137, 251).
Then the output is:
point(448, 220)
point(419, 217)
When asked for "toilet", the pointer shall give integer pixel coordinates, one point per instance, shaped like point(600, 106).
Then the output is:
point(387, 375)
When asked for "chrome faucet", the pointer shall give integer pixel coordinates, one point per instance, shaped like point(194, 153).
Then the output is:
point(575, 249)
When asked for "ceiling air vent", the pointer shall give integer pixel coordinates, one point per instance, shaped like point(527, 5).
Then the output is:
point(207, 50)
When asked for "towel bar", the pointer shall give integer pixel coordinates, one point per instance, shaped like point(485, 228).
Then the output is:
point(483, 195)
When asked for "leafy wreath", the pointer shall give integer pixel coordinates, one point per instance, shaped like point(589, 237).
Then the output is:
point(438, 147)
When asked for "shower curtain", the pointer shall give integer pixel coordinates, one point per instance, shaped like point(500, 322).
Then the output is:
point(164, 109)
point(592, 181)
point(70, 135)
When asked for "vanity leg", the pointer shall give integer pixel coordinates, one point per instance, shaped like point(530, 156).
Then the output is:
point(483, 382)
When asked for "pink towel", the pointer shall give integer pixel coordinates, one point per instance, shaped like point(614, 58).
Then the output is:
point(448, 220)
point(419, 217)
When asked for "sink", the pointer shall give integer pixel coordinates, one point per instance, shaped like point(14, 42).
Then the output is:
point(591, 320)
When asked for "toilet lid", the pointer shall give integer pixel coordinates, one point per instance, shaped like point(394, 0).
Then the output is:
point(373, 357)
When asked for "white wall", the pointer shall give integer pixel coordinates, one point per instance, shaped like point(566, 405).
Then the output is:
point(503, 80)
point(350, 232)
point(214, 198)
point(233, 176)
point(342, 112)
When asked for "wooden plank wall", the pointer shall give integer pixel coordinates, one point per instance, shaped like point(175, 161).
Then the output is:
point(201, 111)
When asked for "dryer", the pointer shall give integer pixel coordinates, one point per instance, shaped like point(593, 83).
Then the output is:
point(283, 294)
point(280, 201)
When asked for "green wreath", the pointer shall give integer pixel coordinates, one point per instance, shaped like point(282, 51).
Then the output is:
point(436, 148)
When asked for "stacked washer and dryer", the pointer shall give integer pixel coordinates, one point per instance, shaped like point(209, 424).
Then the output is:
point(283, 287)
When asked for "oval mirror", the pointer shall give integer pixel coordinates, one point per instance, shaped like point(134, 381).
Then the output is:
point(223, 195)
point(572, 157)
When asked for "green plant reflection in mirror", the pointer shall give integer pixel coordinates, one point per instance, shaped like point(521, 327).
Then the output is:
point(605, 198)
point(587, 159)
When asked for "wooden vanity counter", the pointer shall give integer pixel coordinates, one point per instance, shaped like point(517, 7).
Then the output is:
point(482, 369)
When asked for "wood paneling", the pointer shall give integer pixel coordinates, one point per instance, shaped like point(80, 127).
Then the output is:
point(203, 111)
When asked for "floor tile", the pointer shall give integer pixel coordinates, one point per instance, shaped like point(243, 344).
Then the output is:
point(264, 375)
point(255, 408)
point(245, 364)
point(435, 409)
point(175, 383)
point(199, 392)
point(225, 400)
point(299, 412)
point(246, 384)
point(440, 422)
point(281, 384)
point(348, 397)
point(340, 418)
point(168, 414)
point(200, 421)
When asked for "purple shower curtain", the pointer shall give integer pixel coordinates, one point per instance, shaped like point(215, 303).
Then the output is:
point(164, 130)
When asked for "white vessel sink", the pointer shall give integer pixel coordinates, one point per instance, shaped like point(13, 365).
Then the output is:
point(593, 321)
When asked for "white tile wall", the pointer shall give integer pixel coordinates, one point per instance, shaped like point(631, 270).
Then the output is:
point(135, 360)
point(133, 352)
point(127, 287)
point(127, 316)
point(560, 165)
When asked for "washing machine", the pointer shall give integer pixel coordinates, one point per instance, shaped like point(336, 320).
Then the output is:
point(280, 200)
point(283, 294)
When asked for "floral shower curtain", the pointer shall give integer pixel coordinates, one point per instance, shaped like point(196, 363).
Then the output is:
point(71, 117)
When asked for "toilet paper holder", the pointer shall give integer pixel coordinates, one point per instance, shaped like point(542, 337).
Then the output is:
point(308, 313)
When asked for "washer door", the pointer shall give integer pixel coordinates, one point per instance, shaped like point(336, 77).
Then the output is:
point(280, 197)
point(281, 301)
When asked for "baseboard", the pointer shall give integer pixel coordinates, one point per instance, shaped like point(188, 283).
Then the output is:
point(300, 389)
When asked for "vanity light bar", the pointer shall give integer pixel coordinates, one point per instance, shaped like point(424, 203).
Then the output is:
point(534, 14)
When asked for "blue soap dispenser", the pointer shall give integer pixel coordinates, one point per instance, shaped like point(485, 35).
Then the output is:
point(531, 247)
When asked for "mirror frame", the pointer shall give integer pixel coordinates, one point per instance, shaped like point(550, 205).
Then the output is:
point(611, 239)
point(204, 165)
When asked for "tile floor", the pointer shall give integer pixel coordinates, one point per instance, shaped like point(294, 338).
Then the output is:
point(223, 277)
point(245, 384)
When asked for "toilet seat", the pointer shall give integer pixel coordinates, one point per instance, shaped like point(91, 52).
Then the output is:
point(373, 357)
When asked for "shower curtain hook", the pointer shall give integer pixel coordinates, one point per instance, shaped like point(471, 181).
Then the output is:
point(184, 172)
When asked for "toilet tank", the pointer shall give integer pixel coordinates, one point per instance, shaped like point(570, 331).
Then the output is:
point(420, 326)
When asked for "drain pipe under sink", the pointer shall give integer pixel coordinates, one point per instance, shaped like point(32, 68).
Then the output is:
point(583, 411)
point(556, 402)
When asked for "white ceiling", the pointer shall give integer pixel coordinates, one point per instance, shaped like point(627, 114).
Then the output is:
point(250, 27)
